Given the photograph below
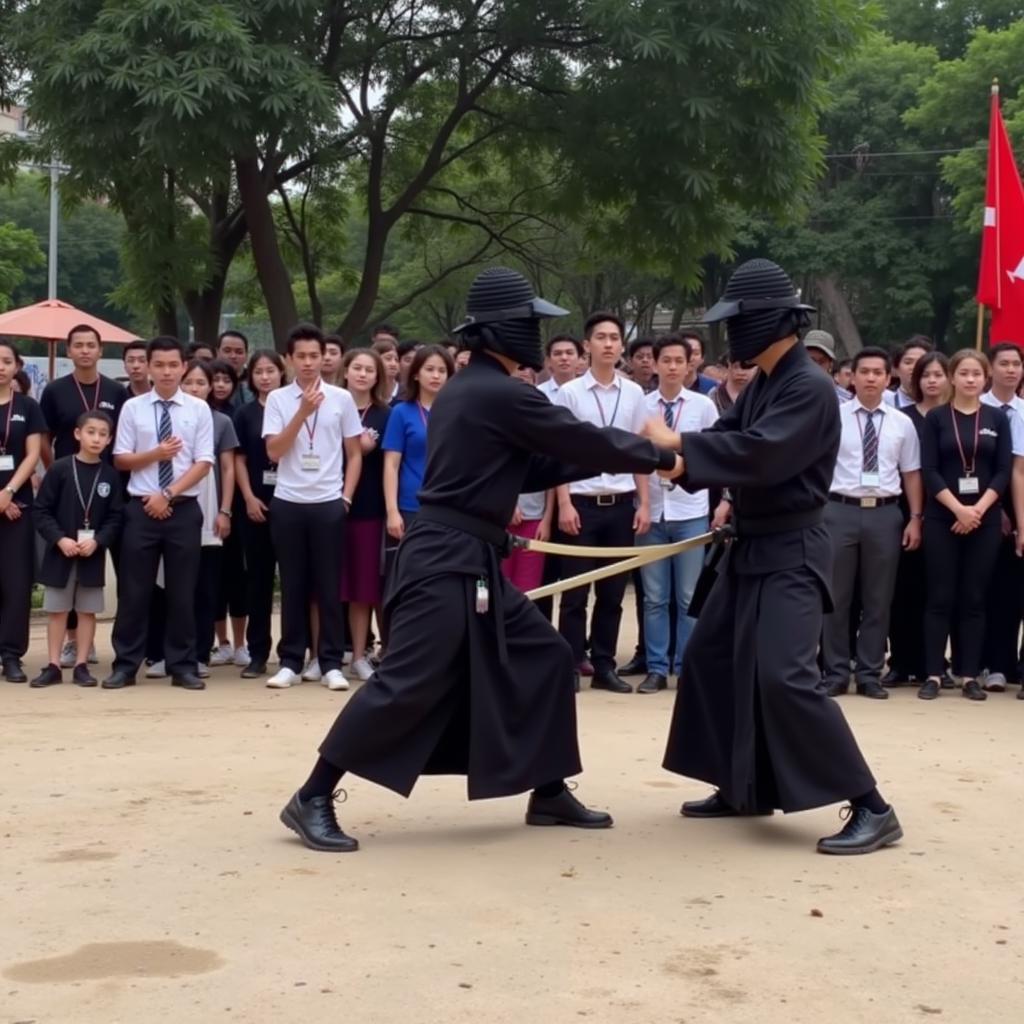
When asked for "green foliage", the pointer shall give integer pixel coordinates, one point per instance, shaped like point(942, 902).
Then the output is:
point(19, 251)
point(947, 25)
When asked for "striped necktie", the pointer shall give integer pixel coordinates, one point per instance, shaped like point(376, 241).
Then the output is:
point(669, 412)
point(165, 468)
point(870, 444)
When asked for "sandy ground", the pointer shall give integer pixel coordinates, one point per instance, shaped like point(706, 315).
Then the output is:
point(146, 877)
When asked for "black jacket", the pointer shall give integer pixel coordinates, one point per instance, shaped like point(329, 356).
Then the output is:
point(59, 514)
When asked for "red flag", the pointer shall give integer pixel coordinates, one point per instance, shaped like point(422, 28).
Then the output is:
point(1001, 278)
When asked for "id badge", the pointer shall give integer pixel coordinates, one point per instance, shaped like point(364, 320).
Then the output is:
point(270, 477)
point(873, 479)
point(310, 462)
point(968, 485)
point(6, 463)
point(84, 535)
point(483, 597)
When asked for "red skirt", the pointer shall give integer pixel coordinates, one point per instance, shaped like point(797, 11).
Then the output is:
point(362, 579)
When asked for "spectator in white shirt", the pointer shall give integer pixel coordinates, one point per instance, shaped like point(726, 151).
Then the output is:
point(879, 458)
point(676, 515)
point(607, 510)
point(564, 355)
point(904, 360)
point(312, 430)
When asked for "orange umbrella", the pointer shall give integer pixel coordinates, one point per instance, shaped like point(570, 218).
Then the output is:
point(51, 320)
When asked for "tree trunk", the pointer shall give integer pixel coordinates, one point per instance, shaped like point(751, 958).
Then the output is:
point(204, 309)
point(837, 312)
point(377, 229)
point(266, 252)
point(167, 318)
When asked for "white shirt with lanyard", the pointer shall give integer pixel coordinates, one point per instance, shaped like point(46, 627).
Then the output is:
point(899, 451)
point(312, 470)
point(689, 412)
point(619, 404)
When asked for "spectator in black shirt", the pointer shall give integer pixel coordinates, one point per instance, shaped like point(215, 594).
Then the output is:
point(361, 579)
point(966, 462)
point(256, 476)
point(233, 348)
point(136, 369)
point(21, 431)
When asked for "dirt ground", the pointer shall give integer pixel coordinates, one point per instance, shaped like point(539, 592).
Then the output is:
point(146, 877)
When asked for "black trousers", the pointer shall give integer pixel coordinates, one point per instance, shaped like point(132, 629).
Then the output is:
point(1003, 612)
point(308, 539)
point(959, 569)
point(607, 526)
point(232, 594)
point(144, 542)
point(261, 563)
point(17, 552)
point(210, 569)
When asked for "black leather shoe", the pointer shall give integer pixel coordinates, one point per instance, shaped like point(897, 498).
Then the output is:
point(118, 681)
point(636, 666)
point(872, 690)
point(929, 689)
point(837, 688)
point(564, 809)
point(653, 683)
point(864, 832)
point(315, 823)
point(254, 670)
point(50, 676)
point(948, 682)
point(894, 678)
point(188, 681)
point(610, 680)
point(972, 690)
point(82, 676)
point(13, 672)
point(715, 806)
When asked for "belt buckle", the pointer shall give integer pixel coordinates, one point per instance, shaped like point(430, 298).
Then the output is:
point(869, 503)
point(604, 500)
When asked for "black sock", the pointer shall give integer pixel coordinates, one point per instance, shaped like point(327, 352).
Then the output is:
point(322, 781)
point(549, 790)
point(872, 801)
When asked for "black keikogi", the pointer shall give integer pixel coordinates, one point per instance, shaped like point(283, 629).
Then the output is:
point(484, 694)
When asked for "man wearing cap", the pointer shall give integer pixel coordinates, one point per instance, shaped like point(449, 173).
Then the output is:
point(751, 720)
point(821, 347)
point(494, 700)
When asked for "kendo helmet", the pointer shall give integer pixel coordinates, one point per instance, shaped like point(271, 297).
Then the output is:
point(760, 306)
point(503, 314)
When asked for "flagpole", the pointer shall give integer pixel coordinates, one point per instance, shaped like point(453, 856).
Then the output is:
point(980, 335)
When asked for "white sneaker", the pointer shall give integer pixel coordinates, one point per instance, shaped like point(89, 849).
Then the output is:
point(158, 670)
point(335, 680)
point(242, 656)
point(69, 655)
point(363, 669)
point(284, 678)
point(203, 671)
point(223, 655)
point(94, 658)
point(311, 673)
point(995, 682)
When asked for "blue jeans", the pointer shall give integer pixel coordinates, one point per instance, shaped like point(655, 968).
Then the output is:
point(658, 578)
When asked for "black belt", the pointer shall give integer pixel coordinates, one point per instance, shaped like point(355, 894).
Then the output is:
point(603, 500)
point(844, 499)
point(179, 500)
point(759, 526)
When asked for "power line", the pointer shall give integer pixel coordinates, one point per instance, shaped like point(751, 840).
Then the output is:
point(869, 154)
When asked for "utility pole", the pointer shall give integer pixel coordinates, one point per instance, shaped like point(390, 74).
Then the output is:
point(51, 286)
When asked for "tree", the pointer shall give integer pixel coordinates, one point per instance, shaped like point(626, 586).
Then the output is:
point(947, 25)
point(19, 251)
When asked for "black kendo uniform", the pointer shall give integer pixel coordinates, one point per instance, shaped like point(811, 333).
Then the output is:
point(750, 718)
point(475, 680)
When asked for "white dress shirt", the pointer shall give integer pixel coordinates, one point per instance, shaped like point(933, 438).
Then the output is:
point(690, 411)
point(619, 404)
point(549, 387)
point(322, 435)
point(897, 399)
point(899, 451)
point(138, 430)
point(1016, 415)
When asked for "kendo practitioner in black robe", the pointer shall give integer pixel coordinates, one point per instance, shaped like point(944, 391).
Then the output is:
point(475, 680)
point(749, 718)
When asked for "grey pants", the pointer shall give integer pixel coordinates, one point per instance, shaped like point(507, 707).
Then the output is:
point(868, 539)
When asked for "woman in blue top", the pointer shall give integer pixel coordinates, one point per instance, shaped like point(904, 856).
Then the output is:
point(405, 439)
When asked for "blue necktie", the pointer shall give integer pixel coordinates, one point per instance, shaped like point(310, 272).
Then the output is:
point(669, 409)
point(165, 468)
point(870, 445)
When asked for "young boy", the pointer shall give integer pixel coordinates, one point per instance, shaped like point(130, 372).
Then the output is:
point(78, 514)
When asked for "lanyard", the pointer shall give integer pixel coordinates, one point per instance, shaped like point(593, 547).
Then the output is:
point(86, 507)
point(81, 394)
point(679, 412)
point(311, 432)
point(878, 429)
point(7, 430)
point(600, 408)
point(362, 413)
point(968, 470)
point(424, 415)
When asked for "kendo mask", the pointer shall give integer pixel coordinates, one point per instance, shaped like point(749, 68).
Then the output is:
point(760, 307)
point(503, 314)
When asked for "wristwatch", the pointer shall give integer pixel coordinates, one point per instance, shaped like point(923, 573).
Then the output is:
point(11, 491)
point(166, 492)
point(226, 512)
